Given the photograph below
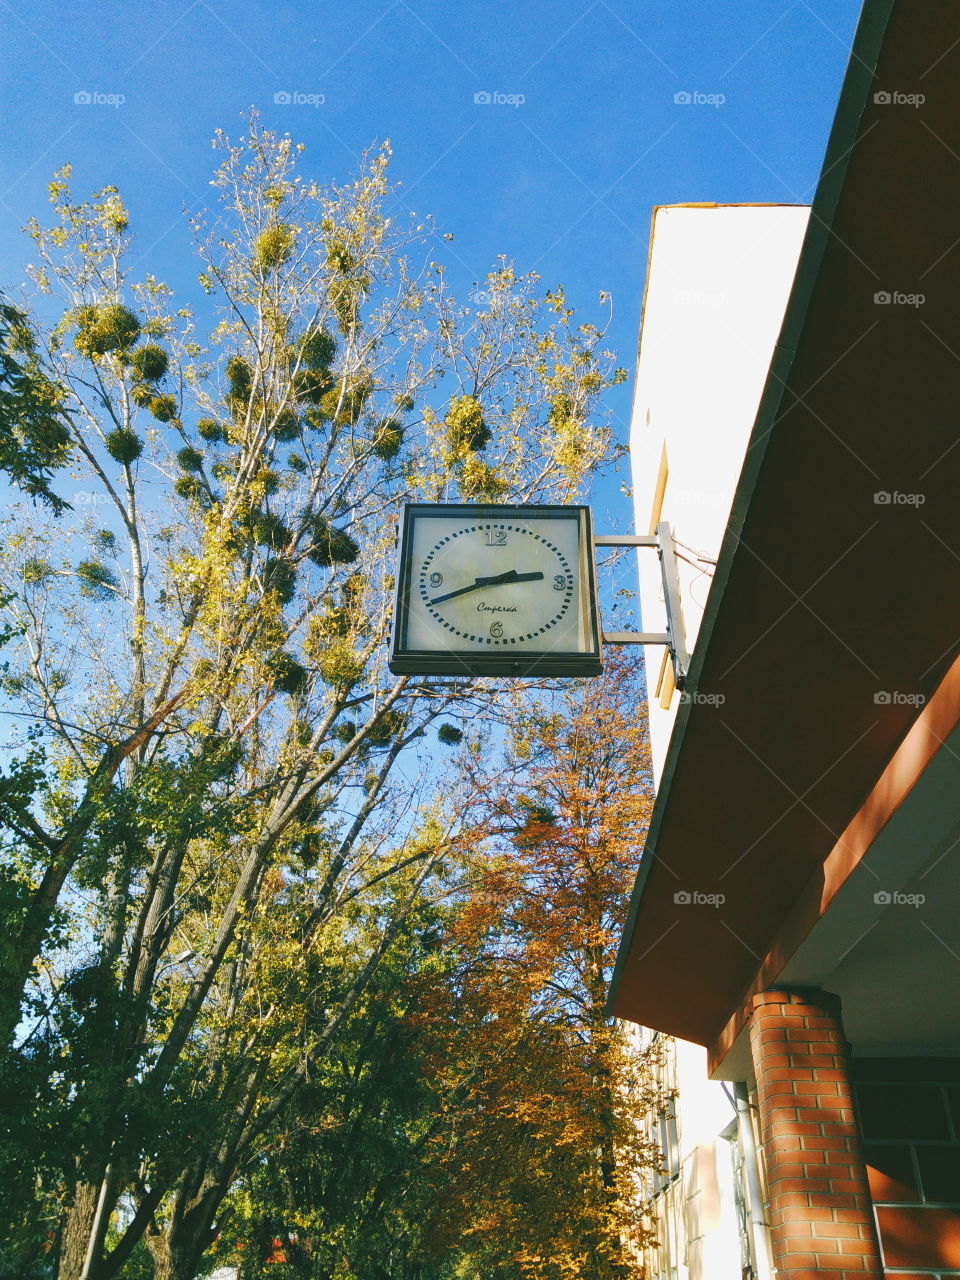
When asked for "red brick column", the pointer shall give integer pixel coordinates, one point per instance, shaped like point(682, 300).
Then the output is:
point(821, 1215)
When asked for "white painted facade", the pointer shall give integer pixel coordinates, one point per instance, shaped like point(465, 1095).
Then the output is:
point(718, 283)
point(693, 1204)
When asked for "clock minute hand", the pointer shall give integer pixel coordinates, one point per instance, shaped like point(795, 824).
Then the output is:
point(496, 580)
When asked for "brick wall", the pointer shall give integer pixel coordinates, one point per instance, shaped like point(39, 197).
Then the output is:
point(820, 1212)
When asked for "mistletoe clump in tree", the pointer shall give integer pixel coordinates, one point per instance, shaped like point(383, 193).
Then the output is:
point(206, 851)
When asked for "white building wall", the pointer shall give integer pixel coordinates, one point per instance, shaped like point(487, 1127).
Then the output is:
point(710, 1213)
point(718, 283)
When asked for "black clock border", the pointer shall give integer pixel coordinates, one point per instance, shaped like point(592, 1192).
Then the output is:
point(528, 664)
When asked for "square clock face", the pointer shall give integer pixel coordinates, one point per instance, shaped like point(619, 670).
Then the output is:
point(496, 590)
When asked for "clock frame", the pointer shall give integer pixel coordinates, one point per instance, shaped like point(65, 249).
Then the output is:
point(463, 607)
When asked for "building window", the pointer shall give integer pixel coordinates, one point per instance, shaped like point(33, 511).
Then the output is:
point(669, 1143)
point(909, 1115)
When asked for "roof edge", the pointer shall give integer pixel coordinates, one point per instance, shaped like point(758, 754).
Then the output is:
point(857, 81)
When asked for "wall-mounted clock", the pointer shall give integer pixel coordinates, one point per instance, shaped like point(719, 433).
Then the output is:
point(496, 590)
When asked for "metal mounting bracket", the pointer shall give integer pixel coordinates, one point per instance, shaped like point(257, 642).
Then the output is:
point(674, 637)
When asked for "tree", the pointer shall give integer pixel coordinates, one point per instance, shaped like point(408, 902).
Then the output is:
point(536, 1167)
point(343, 1191)
point(34, 438)
point(494, 1129)
point(206, 852)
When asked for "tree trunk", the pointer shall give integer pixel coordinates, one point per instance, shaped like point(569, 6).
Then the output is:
point(77, 1226)
point(176, 1257)
point(178, 1247)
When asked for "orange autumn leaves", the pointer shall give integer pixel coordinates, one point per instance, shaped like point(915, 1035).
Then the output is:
point(535, 1158)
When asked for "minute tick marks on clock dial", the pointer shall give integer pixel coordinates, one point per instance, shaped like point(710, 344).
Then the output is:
point(527, 615)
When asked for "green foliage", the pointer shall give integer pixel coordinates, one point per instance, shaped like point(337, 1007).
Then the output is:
point(124, 445)
point(331, 545)
point(286, 674)
point(210, 429)
point(479, 481)
point(482, 1116)
point(345, 401)
point(34, 439)
point(344, 1190)
point(104, 328)
point(339, 257)
point(105, 540)
point(34, 570)
point(96, 580)
point(449, 735)
point(164, 407)
point(270, 531)
point(286, 426)
point(189, 459)
point(312, 385)
point(466, 429)
point(313, 380)
point(387, 438)
point(385, 727)
point(239, 377)
point(149, 362)
point(339, 664)
point(141, 394)
point(273, 247)
point(561, 411)
point(190, 487)
point(318, 349)
point(280, 576)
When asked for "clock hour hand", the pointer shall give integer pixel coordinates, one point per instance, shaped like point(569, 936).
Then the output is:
point(497, 580)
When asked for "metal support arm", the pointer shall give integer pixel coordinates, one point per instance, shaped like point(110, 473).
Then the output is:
point(674, 637)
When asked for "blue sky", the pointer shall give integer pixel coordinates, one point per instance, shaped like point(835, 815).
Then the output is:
point(562, 182)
